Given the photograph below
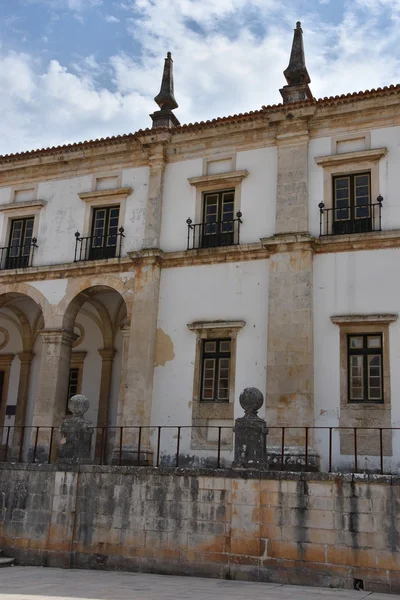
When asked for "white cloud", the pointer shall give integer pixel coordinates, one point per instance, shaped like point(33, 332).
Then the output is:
point(236, 64)
point(111, 19)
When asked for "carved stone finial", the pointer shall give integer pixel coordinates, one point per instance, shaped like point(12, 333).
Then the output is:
point(76, 433)
point(78, 405)
point(165, 98)
point(251, 400)
point(296, 74)
point(250, 431)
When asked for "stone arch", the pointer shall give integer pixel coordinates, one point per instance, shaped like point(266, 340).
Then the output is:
point(70, 302)
point(24, 289)
point(23, 306)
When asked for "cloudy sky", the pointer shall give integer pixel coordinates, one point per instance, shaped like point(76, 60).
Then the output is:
point(72, 70)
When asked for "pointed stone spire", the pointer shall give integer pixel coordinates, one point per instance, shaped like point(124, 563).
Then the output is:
point(296, 74)
point(166, 99)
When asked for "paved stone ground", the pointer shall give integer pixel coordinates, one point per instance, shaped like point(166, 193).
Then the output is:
point(35, 583)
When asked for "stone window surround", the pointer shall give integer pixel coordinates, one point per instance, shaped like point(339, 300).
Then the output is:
point(217, 183)
point(106, 175)
point(77, 362)
point(20, 210)
point(364, 414)
point(202, 412)
point(349, 137)
point(350, 162)
point(101, 198)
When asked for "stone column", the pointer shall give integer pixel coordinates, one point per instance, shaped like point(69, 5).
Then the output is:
point(53, 384)
point(290, 399)
point(25, 359)
point(136, 388)
point(107, 358)
point(5, 365)
point(156, 156)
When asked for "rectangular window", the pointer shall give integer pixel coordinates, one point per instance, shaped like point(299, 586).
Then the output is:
point(365, 370)
point(218, 219)
point(20, 244)
point(104, 232)
point(73, 385)
point(352, 210)
point(215, 372)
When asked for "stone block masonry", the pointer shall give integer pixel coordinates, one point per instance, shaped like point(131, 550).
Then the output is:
point(297, 528)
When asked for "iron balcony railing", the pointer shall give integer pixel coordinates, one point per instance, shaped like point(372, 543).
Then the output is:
point(17, 257)
point(214, 235)
point(98, 247)
point(365, 449)
point(359, 219)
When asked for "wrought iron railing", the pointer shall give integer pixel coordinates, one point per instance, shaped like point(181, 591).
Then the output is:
point(341, 221)
point(214, 235)
point(17, 257)
point(98, 247)
point(360, 449)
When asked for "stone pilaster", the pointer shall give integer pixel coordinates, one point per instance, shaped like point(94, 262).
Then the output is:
point(53, 377)
point(152, 231)
point(290, 398)
point(137, 371)
point(25, 359)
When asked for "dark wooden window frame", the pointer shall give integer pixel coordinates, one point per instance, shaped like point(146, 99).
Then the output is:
point(105, 249)
point(223, 233)
point(364, 224)
point(24, 247)
point(76, 384)
point(364, 352)
point(217, 356)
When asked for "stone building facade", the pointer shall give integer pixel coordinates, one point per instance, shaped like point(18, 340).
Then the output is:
point(161, 272)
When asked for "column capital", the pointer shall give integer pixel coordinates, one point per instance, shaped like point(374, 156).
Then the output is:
point(58, 336)
point(107, 354)
point(26, 356)
point(6, 359)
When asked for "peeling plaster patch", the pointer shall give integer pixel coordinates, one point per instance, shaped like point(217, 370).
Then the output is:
point(164, 349)
point(53, 291)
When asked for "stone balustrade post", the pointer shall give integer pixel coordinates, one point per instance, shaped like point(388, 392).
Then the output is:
point(250, 432)
point(76, 433)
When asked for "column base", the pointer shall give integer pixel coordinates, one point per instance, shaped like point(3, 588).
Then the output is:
point(128, 456)
point(294, 459)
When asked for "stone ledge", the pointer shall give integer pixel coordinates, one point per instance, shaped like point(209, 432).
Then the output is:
point(371, 319)
point(100, 194)
point(240, 473)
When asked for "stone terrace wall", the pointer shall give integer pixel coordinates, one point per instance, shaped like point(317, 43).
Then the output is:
point(299, 528)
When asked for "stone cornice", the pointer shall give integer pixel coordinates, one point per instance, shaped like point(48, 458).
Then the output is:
point(368, 319)
point(29, 204)
point(231, 179)
point(376, 240)
point(212, 325)
point(208, 256)
point(351, 157)
point(100, 194)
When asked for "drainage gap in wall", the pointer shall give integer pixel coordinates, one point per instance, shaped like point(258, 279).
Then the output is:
point(358, 584)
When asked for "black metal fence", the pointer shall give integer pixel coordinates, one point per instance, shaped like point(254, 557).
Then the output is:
point(214, 235)
point(359, 219)
point(328, 449)
point(17, 257)
point(98, 247)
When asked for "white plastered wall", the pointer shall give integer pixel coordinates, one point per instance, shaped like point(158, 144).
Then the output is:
point(352, 283)
point(234, 291)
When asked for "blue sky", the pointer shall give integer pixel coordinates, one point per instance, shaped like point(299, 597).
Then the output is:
point(72, 70)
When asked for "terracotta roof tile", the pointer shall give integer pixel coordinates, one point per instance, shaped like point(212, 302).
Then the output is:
point(219, 121)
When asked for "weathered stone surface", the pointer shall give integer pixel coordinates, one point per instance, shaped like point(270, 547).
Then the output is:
point(301, 528)
point(76, 432)
point(250, 431)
